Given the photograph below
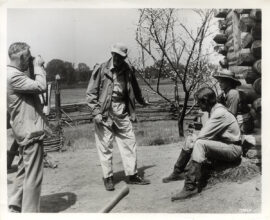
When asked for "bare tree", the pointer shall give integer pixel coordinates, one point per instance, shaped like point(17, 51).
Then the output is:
point(163, 37)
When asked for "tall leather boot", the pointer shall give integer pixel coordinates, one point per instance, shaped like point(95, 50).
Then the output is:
point(191, 182)
point(179, 167)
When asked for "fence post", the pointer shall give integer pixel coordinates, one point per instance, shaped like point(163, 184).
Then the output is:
point(57, 98)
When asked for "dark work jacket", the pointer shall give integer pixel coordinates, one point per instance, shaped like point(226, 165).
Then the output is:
point(100, 88)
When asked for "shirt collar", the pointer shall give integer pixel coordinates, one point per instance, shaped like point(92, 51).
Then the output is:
point(217, 105)
point(111, 66)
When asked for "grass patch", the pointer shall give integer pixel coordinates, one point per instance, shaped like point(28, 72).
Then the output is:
point(156, 133)
point(75, 95)
point(147, 133)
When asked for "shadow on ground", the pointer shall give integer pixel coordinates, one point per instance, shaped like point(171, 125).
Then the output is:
point(57, 202)
point(120, 176)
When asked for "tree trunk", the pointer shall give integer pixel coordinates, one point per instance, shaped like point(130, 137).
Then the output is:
point(182, 115)
point(176, 92)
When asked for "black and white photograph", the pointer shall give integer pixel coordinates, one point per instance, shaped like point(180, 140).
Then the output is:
point(133, 110)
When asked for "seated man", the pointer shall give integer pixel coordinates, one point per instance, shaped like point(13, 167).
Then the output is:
point(233, 100)
point(219, 139)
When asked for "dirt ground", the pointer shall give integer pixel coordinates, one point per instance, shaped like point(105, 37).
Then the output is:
point(76, 186)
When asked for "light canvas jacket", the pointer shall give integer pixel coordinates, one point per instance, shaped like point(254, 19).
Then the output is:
point(100, 89)
point(24, 106)
point(221, 126)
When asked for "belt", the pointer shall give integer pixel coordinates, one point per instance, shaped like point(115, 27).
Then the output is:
point(118, 99)
point(235, 143)
point(238, 142)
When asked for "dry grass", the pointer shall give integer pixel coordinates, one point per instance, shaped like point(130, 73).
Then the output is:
point(156, 133)
point(76, 95)
point(147, 133)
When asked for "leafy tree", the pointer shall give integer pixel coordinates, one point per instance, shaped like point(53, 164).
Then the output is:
point(54, 67)
point(70, 74)
point(83, 72)
point(177, 50)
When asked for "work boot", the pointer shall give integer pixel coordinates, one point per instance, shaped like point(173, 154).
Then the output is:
point(136, 179)
point(191, 182)
point(108, 183)
point(179, 167)
point(14, 208)
point(184, 194)
point(173, 177)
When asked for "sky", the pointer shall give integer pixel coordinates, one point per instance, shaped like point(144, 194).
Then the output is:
point(75, 35)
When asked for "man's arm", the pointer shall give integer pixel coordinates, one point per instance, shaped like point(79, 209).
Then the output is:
point(214, 126)
point(136, 88)
point(92, 92)
point(233, 101)
point(21, 83)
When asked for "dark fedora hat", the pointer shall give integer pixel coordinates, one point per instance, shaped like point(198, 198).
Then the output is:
point(227, 74)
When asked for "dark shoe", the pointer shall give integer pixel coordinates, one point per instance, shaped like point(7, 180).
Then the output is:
point(13, 208)
point(136, 179)
point(108, 183)
point(173, 177)
point(185, 193)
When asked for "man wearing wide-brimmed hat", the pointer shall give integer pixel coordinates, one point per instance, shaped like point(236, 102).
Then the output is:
point(231, 99)
point(228, 84)
point(111, 95)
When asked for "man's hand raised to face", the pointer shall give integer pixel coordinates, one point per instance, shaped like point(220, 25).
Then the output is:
point(38, 61)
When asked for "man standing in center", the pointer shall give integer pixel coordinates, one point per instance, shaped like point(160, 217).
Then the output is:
point(111, 96)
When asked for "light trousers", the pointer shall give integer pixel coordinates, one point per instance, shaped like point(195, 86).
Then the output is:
point(27, 183)
point(120, 129)
point(203, 149)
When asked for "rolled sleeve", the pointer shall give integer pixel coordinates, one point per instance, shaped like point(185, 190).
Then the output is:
point(21, 83)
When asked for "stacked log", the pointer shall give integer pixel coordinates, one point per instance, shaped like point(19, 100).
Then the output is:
point(239, 41)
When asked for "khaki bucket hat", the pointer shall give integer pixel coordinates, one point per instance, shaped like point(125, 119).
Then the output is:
point(227, 74)
point(120, 49)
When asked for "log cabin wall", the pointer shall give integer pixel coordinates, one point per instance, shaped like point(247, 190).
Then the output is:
point(239, 41)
